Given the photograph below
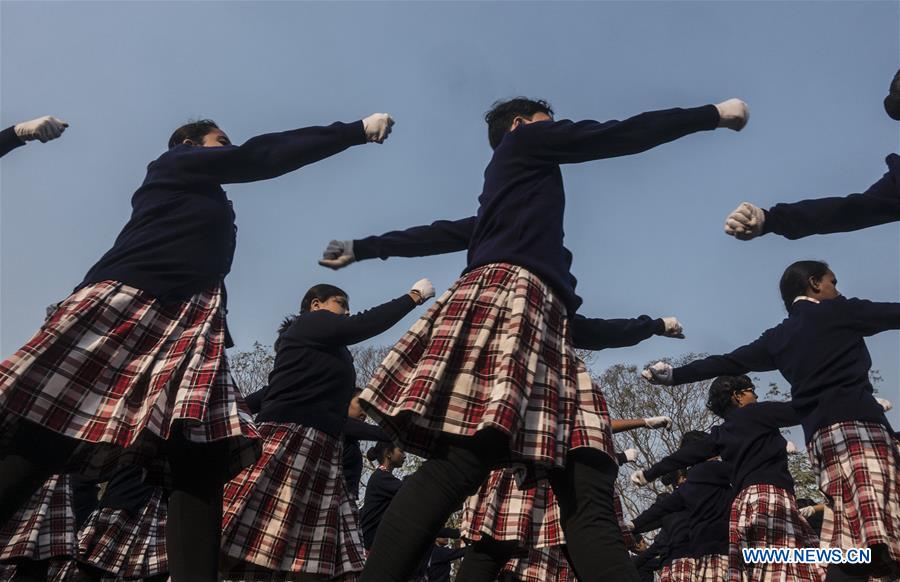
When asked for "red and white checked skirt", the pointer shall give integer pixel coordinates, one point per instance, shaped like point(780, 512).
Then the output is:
point(126, 545)
point(494, 351)
point(766, 516)
point(680, 570)
point(115, 368)
point(43, 528)
point(858, 470)
point(541, 565)
point(290, 512)
point(711, 568)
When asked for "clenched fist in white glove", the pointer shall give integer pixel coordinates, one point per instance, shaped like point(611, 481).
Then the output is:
point(733, 114)
point(338, 254)
point(808, 511)
point(43, 128)
point(422, 290)
point(638, 478)
point(378, 126)
point(631, 455)
point(673, 327)
point(885, 403)
point(658, 373)
point(790, 447)
point(746, 222)
point(658, 422)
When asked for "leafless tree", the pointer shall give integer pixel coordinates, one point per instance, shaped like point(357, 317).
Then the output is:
point(250, 369)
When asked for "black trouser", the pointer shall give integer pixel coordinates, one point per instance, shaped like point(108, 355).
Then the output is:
point(584, 490)
point(195, 502)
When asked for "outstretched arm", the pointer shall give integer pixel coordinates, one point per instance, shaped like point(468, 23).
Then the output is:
point(753, 357)
point(652, 517)
point(597, 334)
point(685, 456)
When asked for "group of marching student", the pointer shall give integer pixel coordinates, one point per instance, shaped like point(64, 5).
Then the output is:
point(128, 376)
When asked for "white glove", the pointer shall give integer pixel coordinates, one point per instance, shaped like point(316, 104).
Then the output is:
point(658, 422)
point(733, 114)
point(885, 403)
point(638, 478)
point(43, 128)
point(631, 455)
point(746, 222)
point(658, 373)
point(338, 254)
point(378, 126)
point(629, 525)
point(808, 511)
point(790, 447)
point(424, 289)
point(673, 327)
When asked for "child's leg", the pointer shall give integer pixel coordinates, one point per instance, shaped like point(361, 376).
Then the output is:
point(584, 490)
point(426, 500)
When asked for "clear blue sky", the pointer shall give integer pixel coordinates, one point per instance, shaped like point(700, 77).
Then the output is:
point(646, 230)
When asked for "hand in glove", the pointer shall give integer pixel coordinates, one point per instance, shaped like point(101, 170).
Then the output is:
point(885, 403)
point(631, 455)
point(338, 254)
point(43, 128)
point(673, 328)
point(790, 447)
point(808, 511)
point(746, 222)
point(658, 373)
point(638, 478)
point(733, 114)
point(658, 422)
point(378, 126)
point(421, 291)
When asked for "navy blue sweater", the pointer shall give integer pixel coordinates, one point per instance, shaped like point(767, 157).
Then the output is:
point(748, 440)
point(820, 350)
point(181, 236)
point(9, 141)
point(313, 378)
point(707, 497)
point(675, 526)
point(380, 490)
point(879, 204)
point(521, 207)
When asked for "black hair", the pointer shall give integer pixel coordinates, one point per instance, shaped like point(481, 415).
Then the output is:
point(892, 101)
point(381, 450)
point(501, 115)
point(795, 280)
point(722, 389)
point(283, 327)
point(670, 479)
point(692, 436)
point(192, 130)
point(322, 292)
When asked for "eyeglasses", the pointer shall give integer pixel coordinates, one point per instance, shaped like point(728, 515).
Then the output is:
point(751, 389)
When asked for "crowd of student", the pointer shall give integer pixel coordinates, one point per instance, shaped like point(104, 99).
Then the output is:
point(127, 383)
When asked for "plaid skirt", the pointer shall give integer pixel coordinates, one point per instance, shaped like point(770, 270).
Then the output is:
point(857, 466)
point(290, 512)
point(44, 527)
point(680, 570)
point(126, 545)
point(494, 351)
point(114, 368)
point(711, 568)
point(541, 565)
point(766, 516)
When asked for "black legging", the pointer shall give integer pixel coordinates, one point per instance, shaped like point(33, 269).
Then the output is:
point(584, 490)
point(195, 502)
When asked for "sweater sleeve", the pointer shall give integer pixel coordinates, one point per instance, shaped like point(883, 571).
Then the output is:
point(262, 157)
point(775, 414)
point(326, 328)
point(9, 140)
point(437, 238)
point(879, 204)
point(597, 334)
point(870, 317)
point(254, 400)
point(686, 456)
point(568, 142)
point(652, 517)
point(364, 431)
point(753, 357)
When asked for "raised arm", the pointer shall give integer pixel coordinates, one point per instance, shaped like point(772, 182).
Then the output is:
point(753, 357)
point(568, 142)
point(43, 129)
point(690, 454)
point(869, 317)
point(651, 518)
point(597, 334)
point(364, 431)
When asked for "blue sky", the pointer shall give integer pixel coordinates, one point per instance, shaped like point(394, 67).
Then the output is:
point(646, 230)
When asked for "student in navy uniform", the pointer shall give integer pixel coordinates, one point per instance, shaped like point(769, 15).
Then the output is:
point(764, 513)
point(43, 129)
point(381, 487)
point(136, 355)
point(356, 430)
point(496, 348)
point(291, 512)
point(441, 558)
point(820, 350)
point(879, 204)
point(675, 562)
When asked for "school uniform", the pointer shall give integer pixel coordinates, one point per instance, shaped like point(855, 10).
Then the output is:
point(9, 140)
point(138, 349)
point(676, 562)
point(354, 431)
point(820, 349)
point(291, 511)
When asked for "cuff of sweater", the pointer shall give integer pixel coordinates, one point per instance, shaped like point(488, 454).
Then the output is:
point(707, 117)
point(659, 326)
point(366, 248)
point(9, 136)
point(355, 133)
